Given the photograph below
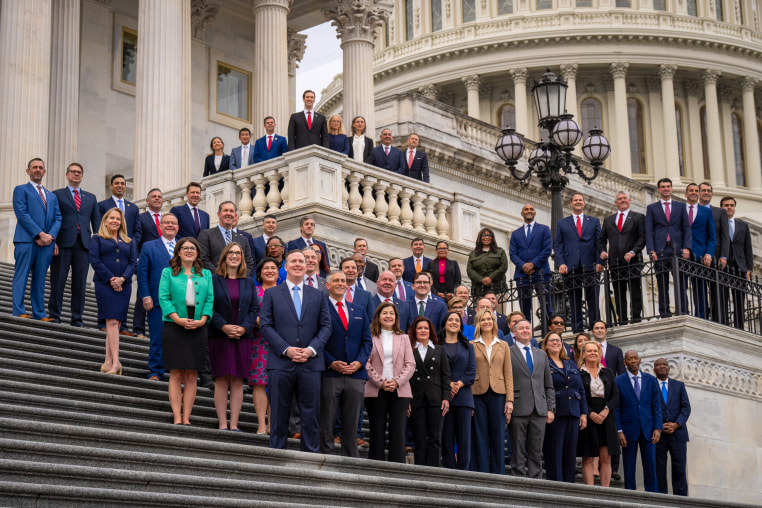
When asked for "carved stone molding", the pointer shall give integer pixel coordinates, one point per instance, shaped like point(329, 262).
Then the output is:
point(359, 20)
point(485, 92)
point(653, 84)
point(692, 87)
point(725, 93)
point(569, 71)
point(519, 74)
point(710, 76)
point(608, 82)
point(297, 44)
point(257, 4)
point(203, 13)
point(619, 69)
point(749, 83)
point(506, 95)
point(472, 82)
point(430, 91)
point(667, 71)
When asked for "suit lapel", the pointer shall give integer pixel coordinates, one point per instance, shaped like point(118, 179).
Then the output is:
point(521, 360)
point(290, 300)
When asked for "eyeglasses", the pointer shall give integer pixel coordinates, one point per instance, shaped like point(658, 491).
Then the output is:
point(165, 223)
point(188, 249)
point(486, 235)
point(557, 322)
point(235, 253)
point(421, 282)
point(554, 340)
point(275, 246)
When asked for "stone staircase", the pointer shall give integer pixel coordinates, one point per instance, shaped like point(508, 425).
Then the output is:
point(71, 436)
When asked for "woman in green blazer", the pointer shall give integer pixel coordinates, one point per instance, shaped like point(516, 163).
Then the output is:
point(487, 265)
point(186, 297)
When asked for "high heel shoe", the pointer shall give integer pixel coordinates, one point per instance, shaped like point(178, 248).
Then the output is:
point(104, 369)
point(117, 370)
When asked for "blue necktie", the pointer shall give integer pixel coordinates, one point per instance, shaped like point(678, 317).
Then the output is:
point(121, 205)
point(529, 230)
point(529, 359)
point(228, 237)
point(171, 248)
point(664, 391)
point(732, 229)
point(297, 302)
point(637, 387)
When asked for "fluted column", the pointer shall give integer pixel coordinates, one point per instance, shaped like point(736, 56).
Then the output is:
point(622, 135)
point(162, 123)
point(656, 158)
point(357, 22)
point(519, 77)
point(750, 139)
point(569, 73)
point(714, 139)
point(270, 87)
point(693, 149)
point(671, 155)
point(473, 83)
point(296, 48)
point(24, 88)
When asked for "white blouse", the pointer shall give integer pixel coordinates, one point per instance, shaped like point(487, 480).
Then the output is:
point(596, 384)
point(190, 294)
point(387, 339)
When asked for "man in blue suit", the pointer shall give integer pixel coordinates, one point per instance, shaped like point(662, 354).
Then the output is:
point(417, 262)
point(346, 353)
point(270, 145)
point(354, 295)
point(703, 243)
point(668, 235)
point(386, 156)
point(423, 304)
point(307, 229)
point(191, 218)
point(150, 229)
point(403, 288)
point(79, 218)
point(295, 321)
point(529, 249)
point(242, 156)
point(153, 259)
point(415, 162)
point(577, 259)
point(38, 221)
point(675, 409)
point(385, 287)
point(269, 228)
point(638, 421)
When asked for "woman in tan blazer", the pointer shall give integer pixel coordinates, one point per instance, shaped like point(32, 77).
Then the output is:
point(493, 393)
point(387, 393)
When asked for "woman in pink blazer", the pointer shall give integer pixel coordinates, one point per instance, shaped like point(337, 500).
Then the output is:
point(387, 392)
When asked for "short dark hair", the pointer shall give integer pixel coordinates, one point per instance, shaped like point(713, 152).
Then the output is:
point(728, 198)
point(707, 184)
point(291, 252)
point(261, 264)
point(418, 239)
point(29, 164)
point(219, 208)
point(394, 259)
point(663, 180)
point(422, 273)
point(306, 92)
point(270, 216)
point(305, 219)
point(360, 240)
point(267, 118)
point(577, 194)
point(81, 168)
point(192, 184)
point(155, 189)
point(599, 321)
point(692, 184)
point(244, 129)
point(112, 178)
point(344, 260)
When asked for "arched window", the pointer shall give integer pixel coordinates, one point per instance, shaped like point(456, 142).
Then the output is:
point(637, 138)
point(660, 5)
point(704, 146)
point(504, 7)
point(436, 15)
point(469, 10)
point(409, 20)
point(591, 115)
point(680, 147)
point(738, 160)
point(506, 116)
point(692, 8)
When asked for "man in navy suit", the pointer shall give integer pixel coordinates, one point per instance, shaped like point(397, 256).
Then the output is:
point(346, 353)
point(703, 243)
point(242, 156)
point(740, 258)
point(270, 145)
point(371, 269)
point(638, 421)
point(577, 260)
point(150, 229)
point(354, 295)
point(403, 289)
point(717, 306)
point(668, 235)
point(191, 218)
point(269, 227)
point(153, 259)
point(386, 293)
point(529, 249)
point(417, 262)
point(424, 304)
point(296, 322)
point(387, 156)
point(612, 358)
point(38, 221)
point(675, 410)
point(306, 127)
point(79, 218)
point(415, 163)
point(307, 229)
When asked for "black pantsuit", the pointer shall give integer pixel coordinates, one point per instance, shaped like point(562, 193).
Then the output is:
point(430, 385)
point(394, 408)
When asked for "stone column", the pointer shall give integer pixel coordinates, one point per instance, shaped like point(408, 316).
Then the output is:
point(692, 131)
point(270, 87)
point(714, 139)
point(671, 155)
point(473, 83)
point(24, 89)
point(569, 73)
point(750, 139)
point(357, 22)
point(656, 156)
point(622, 133)
point(519, 77)
point(727, 103)
point(296, 48)
point(162, 123)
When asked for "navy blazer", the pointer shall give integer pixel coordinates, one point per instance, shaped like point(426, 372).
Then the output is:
point(409, 292)
point(299, 135)
point(409, 273)
point(406, 319)
point(368, 157)
point(635, 416)
point(436, 310)
point(657, 229)
point(131, 213)
point(281, 328)
point(258, 247)
point(278, 147)
point(209, 167)
point(236, 155)
point(351, 345)
point(32, 218)
point(614, 359)
point(87, 218)
point(148, 229)
point(153, 259)
point(392, 162)
point(186, 222)
point(575, 251)
point(248, 306)
point(462, 368)
point(570, 392)
point(364, 300)
point(111, 258)
point(420, 168)
point(300, 244)
point(677, 409)
point(536, 250)
point(703, 235)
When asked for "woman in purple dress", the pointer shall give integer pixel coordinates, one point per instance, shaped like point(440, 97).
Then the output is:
point(267, 277)
point(233, 322)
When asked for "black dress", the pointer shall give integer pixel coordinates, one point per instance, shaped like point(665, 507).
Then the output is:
point(184, 349)
point(594, 436)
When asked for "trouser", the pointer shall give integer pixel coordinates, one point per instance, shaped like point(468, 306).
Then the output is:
point(426, 423)
point(282, 386)
point(388, 406)
point(559, 448)
point(76, 258)
point(489, 421)
point(648, 459)
point(456, 431)
point(30, 258)
point(678, 455)
point(527, 434)
point(346, 395)
point(155, 354)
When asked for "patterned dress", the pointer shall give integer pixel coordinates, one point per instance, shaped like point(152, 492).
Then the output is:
point(258, 369)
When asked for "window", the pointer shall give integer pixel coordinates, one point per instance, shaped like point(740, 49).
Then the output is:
point(637, 139)
point(544, 4)
point(622, 3)
point(504, 7)
point(738, 160)
point(506, 116)
point(692, 8)
point(584, 3)
point(469, 10)
point(436, 15)
point(718, 12)
point(704, 146)
point(233, 92)
point(409, 20)
point(591, 115)
point(660, 5)
point(680, 153)
point(129, 51)
point(124, 56)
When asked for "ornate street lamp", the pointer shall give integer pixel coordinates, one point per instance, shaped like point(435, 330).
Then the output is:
point(553, 158)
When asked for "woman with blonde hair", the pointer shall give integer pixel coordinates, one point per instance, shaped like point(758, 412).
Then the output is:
point(337, 137)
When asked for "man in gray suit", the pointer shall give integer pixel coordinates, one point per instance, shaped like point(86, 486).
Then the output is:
point(740, 258)
point(534, 402)
point(213, 240)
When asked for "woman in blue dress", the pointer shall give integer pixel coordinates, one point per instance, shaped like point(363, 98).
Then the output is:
point(337, 137)
point(275, 248)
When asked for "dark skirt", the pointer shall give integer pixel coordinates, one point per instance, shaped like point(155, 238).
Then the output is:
point(594, 436)
point(184, 349)
point(112, 304)
point(230, 357)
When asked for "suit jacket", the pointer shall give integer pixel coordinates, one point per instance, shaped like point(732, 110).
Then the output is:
point(409, 273)
point(154, 258)
point(614, 359)
point(494, 372)
point(131, 214)
point(632, 238)
point(657, 228)
point(577, 251)
point(703, 236)
point(212, 243)
point(404, 366)
point(409, 292)
point(278, 147)
point(371, 271)
point(148, 229)
point(420, 168)
point(172, 289)
point(430, 383)
point(86, 218)
point(741, 255)
point(536, 250)
point(300, 244)
point(209, 167)
point(258, 249)
point(502, 325)
point(452, 278)
point(677, 408)
point(250, 241)
point(236, 157)
point(392, 162)
point(364, 300)
point(352, 344)
point(318, 282)
point(282, 328)
point(435, 310)
point(248, 306)
point(570, 392)
point(299, 135)
point(32, 217)
point(186, 222)
point(112, 259)
point(463, 368)
point(406, 318)
point(638, 415)
point(533, 393)
point(368, 157)
point(720, 216)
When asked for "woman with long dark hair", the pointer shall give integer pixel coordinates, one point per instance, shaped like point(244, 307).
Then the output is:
point(216, 161)
point(487, 265)
point(360, 145)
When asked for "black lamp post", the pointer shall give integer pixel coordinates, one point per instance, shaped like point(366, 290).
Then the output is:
point(553, 158)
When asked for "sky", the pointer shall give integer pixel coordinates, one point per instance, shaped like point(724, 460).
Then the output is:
point(322, 61)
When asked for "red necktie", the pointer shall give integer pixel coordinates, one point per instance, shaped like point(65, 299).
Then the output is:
point(386, 149)
point(410, 160)
point(309, 282)
point(690, 214)
point(603, 362)
point(342, 315)
point(158, 225)
point(349, 295)
point(666, 213)
point(269, 142)
point(579, 227)
point(42, 196)
point(77, 199)
point(309, 120)
point(619, 222)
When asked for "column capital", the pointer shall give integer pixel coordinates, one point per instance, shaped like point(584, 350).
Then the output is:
point(569, 71)
point(472, 82)
point(710, 76)
point(667, 71)
point(430, 91)
point(692, 87)
point(519, 75)
point(297, 44)
point(619, 69)
point(359, 20)
point(749, 83)
point(203, 13)
point(258, 4)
